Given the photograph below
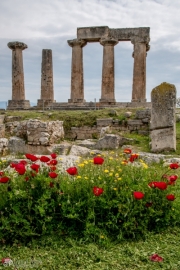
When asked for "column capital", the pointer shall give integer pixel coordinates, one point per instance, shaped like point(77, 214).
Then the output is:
point(17, 45)
point(108, 41)
point(77, 42)
point(137, 39)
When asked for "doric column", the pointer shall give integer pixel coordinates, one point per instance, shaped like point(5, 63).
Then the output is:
point(107, 87)
point(47, 90)
point(139, 71)
point(77, 81)
point(18, 92)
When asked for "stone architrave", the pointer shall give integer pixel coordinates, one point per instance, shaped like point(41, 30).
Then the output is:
point(77, 81)
point(107, 88)
point(47, 90)
point(139, 71)
point(163, 129)
point(18, 92)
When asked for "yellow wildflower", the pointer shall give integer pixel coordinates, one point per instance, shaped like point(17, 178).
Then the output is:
point(119, 178)
point(110, 174)
point(106, 171)
point(115, 188)
point(79, 176)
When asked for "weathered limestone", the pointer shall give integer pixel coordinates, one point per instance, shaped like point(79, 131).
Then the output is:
point(77, 80)
point(139, 71)
point(109, 141)
point(163, 130)
point(47, 90)
point(107, 89)
point(18, 92)
point(139, 37)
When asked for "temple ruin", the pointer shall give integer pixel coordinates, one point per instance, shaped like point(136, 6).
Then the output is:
point(18, 92)
point(108, 38)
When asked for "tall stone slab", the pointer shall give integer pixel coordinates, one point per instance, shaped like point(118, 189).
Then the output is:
point(18, 91)
point(107, 88)
point(163, 129)
point(47, 90)
point(77, 79)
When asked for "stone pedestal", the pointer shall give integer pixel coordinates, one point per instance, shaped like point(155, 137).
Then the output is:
point(139, 71)
point(107, 88)
point(163, 129)
point(18, 105)
point(44, 103)
point(18, 91)
point(77, 81)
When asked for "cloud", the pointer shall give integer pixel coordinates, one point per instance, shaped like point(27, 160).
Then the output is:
point(49, 24)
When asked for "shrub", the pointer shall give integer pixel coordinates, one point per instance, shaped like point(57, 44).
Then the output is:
point(116, 198)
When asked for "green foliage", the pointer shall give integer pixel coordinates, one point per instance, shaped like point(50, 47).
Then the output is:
point(32, 208)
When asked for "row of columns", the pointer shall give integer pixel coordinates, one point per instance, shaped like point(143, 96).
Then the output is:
point(77, 84)
point(107, 88)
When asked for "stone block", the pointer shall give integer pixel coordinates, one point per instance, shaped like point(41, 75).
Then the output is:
point(163, 98)
point(104, 122)
point(92, 33)
point(2, 117)
point(140, 114)
point(3, 146)
point(16, 145)
point(2, 130)
point(163, 140)
point(109, 141)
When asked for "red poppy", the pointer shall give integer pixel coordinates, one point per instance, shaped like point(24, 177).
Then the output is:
point(26, 178)
point(53, 168)
point(13, 165)
point(156, 258)
point(152, 184)
point(72, 170)
point(133, 157)
point(51, 184)
point(1, 173)
point(31, 157)
point(20, 168)
point(172, 178)
point(4, 179)
point(161, 185)
point(138, 195)
point(98, 160)
point(53, 174)
point(35, 167)
point(148, 204)
point(23, 162)
point(174, 166)
point(127, 151)
point(53, 155)
point(52, 162)
point(7, 261)
point(97, 191)
point(44, 159)
point(170, 197)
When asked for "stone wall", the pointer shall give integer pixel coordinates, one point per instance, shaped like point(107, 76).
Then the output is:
point(140, 125)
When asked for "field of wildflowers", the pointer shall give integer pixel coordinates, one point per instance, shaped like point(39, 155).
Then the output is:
point(115, 196)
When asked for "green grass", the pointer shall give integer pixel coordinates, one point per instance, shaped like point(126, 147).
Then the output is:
point(55, 253)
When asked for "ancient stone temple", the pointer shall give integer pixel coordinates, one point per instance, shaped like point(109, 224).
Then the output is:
point(47, 90)
point(18, 92)
point(108, 38)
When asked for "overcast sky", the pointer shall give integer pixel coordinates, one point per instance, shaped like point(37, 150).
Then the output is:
point(49, 24)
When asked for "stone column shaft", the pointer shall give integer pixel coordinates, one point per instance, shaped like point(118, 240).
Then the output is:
point(107, 87)
point(77, 80)
point(47, 91)
point(18, 92)
point(139, 72)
